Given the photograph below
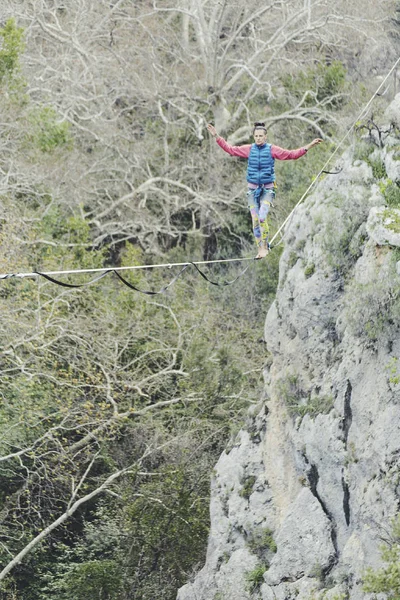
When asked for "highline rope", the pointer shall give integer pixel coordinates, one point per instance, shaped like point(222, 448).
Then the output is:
point(116, 270)
point(49, 275)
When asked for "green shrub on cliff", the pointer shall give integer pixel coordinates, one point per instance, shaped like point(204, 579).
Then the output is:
point(386, 580)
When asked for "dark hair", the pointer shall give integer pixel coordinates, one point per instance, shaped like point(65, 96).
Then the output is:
point(259, 125)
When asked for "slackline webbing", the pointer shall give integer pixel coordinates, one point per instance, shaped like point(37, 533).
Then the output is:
point(50, 275)
point(128, 268)
point(116, 270)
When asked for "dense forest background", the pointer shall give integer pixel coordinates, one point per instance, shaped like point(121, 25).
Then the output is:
point(115, 405)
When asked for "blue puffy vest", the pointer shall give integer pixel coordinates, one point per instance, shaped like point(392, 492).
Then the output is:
point(260, 166)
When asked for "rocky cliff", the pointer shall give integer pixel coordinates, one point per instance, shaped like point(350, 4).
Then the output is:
point(303, 497)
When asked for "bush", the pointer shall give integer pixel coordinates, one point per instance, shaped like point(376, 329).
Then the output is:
point(326, 82)
point(48, 130)
point(96, 579)
point(247, 489)
point(363, 150)
point(255, 578)
point(292, 393)
point(262, 541)
point(378, 168)
point(299, 403)
point(391, 193)
point(12, 46)
point(394, 376)
point(387, 580)
point(309, 270)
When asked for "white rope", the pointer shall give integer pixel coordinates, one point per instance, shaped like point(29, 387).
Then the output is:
point(132, 268)
point(208, 262)
point(360, 116)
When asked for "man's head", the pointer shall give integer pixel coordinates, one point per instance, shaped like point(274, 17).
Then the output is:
point(260, 133)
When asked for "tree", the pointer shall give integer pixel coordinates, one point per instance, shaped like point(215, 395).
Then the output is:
point(137, 101)
point(387, 579)
point(85, 377)
point(104, 161)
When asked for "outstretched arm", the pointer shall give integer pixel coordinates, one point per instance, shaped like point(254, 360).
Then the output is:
point(239, 151)
point(212, 130)
point(283, 154)
point(313, 143)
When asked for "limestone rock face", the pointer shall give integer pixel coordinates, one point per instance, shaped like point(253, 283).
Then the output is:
point(302, 499)
point(392, 113)
point(302, 543)
point(383, 225)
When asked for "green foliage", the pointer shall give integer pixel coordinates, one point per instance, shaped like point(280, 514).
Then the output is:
point(211, 376)
point(298, 402)
point(172, 348)
point(351, 457)
point(378, 168)
point(91, 568)
point(331, 81)
point(318, 572)
point(261, 541)
point(292, 393)
point(395, 254)
point(8, 590)
point(315, 405)
point(99, 379)
point(97, 344)
point(391, 219)
point(48, 131)
point(322, 83)
point(12, 46)
point(69, 242)
point(391, 193)
point(255, 577)
point(300, 245)
point(393, 366)
point(168, 525)
point(97, 579)
point(293, 258)
point(387, 579)
point(309, 270)
point(247, 486)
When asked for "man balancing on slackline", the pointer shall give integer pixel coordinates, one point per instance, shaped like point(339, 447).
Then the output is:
point(260, 176)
